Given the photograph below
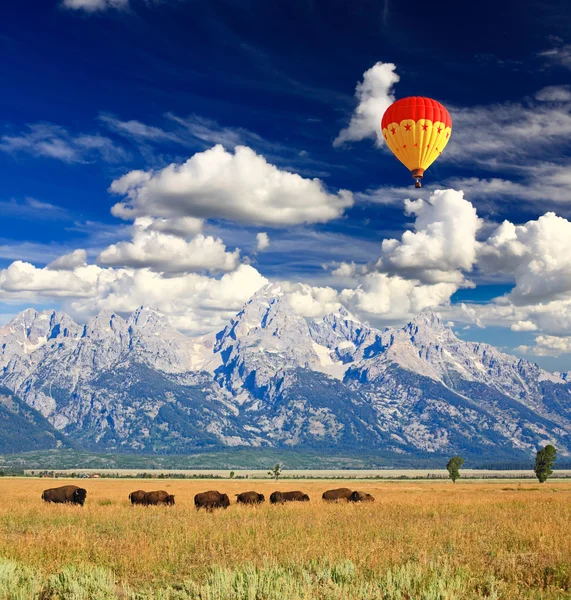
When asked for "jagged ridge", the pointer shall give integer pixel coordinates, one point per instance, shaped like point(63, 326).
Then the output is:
point(271, 378)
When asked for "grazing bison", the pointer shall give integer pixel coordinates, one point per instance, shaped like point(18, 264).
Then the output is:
point(137, 497)
point(361, 497)
point(66, 494)
point(158, 497)
point(279, 497)
point(250, 498)
point(211, 500)
point(338, 494)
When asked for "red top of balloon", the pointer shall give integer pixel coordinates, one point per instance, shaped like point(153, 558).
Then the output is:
point(415, 108)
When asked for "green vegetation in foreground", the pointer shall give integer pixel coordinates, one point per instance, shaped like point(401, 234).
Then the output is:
point(234, 458)
point(316, 581)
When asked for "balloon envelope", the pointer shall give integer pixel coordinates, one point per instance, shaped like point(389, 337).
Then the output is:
point(416, 130)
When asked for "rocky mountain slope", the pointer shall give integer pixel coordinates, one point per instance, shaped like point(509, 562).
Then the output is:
point(270, 378)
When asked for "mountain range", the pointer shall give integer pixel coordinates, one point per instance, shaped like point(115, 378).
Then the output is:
point(271, 379)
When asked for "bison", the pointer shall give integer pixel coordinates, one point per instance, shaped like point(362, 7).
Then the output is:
point(280, 497)
point(338, 494)
point(361, 497)
point(158, 497)
point(211, 500)
point(67, 494)
point(250, 498)
point(137, 497)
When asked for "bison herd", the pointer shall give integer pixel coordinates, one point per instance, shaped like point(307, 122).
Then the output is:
point(72, 494)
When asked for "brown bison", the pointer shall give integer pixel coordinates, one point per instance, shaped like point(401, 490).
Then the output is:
point(67, 494)
point(211, 500)
point(361, 497)
point(250, 498)
point(137, 497)
point(277, 498)
point(158, 497)
point(338, 494)
point(280, 497)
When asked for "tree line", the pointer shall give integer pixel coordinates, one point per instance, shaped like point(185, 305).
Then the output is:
point(544, 460)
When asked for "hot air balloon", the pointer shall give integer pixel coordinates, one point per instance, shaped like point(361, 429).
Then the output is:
point(416, 130)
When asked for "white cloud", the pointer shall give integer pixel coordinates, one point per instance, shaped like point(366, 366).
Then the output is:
point(547, 345)
point(537, 255)
point(262, 241)
point(240, 186)
point(167, 253)
point(524, 326)
point(182, 226)
point(52, 141)
point(442, 245)
point(345, 269)
point(68, 262)
point(94, 5)
point(554, 93)
point(32, 209)
point(509, 137)
point(311, 301)
point(194, 303)
point(136, 129)
point(374, 95)
point(395, 298)
point(559, 55)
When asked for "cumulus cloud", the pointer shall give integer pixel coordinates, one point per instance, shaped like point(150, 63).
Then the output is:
point(395, 298)
point(182, 227)
point(68, 262)
point(311, 301)
point(94, 5)
point(537, 255)
point(345, 269)
point(547, 345)
point(166, 253)
point(194, 302)
point(442, 245)
point(262, 241)
point(524, 326)
point(240, 186)
point(52, 141)
point(374, 95)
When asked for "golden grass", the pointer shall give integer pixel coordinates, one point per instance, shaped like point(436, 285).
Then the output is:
point(519, 535)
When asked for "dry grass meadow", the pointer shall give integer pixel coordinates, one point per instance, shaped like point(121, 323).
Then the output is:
point(425, 540)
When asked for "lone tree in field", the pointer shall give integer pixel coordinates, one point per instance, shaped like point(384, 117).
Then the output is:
point(543, 462)
point(276, 472)
point(454, 465)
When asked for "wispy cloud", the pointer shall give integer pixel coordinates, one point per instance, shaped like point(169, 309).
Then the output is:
point(32, 209)
point(559, 55)
point(53, 141)
point(31, 251)
point(92, 6)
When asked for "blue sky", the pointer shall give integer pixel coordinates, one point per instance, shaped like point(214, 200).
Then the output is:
point(105, 101)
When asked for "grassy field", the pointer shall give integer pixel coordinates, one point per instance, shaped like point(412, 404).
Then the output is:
point(417, 541)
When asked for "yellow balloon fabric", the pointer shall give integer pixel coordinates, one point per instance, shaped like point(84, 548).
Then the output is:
point(416, 130)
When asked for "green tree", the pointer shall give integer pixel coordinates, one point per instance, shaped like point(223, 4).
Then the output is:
point(454, 465)
point(232, 474)
point(544, 461)
point(276, 472)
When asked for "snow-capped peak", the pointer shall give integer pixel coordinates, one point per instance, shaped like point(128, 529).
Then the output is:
point(149, 319)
